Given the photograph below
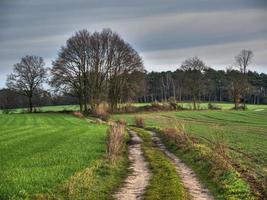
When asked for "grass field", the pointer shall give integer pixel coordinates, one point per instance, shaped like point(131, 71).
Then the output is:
point(39, 152)
point(50, 153)
point(203, 106)
point(244, 131)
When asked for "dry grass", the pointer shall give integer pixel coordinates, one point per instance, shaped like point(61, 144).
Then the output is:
point(128, 108)
point(116, 141)
point(101, 111)
point(139, 122)
point(178, 134)
point(220, 150)
point(78, 114)
point(84, 178)
point(220, 144)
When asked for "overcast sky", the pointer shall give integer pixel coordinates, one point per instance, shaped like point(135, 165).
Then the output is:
point(164, 32)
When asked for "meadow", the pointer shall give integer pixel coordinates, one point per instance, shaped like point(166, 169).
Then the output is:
point(186, 105)
point(244, 132)
point(52, 153)
point(40, 153)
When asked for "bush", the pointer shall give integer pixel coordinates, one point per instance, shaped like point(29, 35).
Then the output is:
point(173, 105)
point(180, 107)
point(220, 149)
point(240, 107)
point(121, 121)
point(139, 122)
point(101, 111)
point(6, 111)
point(115, 141)
point(179, 135)
point(128, 108)
point(78, 114)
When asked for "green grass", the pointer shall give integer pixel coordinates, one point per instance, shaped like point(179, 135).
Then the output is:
point(221, 179)
point(165, 183)
point(47, 109)
point(244, 131)
point(223, 106)
point(203, 106)
point(40, 152)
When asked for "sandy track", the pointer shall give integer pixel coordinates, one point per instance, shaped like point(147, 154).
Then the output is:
point(136, 183)
point(195, 189)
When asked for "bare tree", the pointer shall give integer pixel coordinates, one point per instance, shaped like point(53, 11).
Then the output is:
point(236, 86)
point(70, 70)
point(243, 59)
point(194, 69)
point(27, 77)
point(124, 60)
point(95, 66)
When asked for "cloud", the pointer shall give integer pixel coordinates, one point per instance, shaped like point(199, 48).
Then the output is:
point(217, 56)
point(164, 32)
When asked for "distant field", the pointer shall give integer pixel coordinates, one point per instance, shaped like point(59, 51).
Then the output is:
point(40, 151)
point(244, 131)
point(48, 108)
point(203, 106)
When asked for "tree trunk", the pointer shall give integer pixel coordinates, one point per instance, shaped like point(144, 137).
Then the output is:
point(194, 102)
point(30, 104)
point(236, 103)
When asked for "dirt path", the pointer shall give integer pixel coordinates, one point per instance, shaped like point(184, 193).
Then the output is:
point(136, 183)
point(189, 179)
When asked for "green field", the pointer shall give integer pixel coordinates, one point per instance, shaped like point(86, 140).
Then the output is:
point(51, 153)
point(244, 131)
point(186, 105)
point(40, 151)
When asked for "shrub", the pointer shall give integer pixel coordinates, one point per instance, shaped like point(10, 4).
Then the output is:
point(156, 105)
point(101, 111)
point(240, 107)
point(179, 135)
point(78, 114)
point(128, 108)
point(36, 110)
point(173, 105)
point(139, 122)
point(220, 144)
point(180, 107)
point(115, 141)
point(6, 111)
point(121, 121)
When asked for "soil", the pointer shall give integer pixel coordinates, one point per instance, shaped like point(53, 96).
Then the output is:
point(138, 180)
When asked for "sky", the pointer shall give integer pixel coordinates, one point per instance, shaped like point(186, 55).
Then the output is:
point(164, 32)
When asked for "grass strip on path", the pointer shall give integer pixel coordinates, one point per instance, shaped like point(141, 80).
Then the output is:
point(165, 183)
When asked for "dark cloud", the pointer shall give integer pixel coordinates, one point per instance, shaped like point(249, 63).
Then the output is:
point(164, 32)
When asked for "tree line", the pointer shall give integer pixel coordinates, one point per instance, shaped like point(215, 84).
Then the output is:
point(92, 68)
point(195, 81)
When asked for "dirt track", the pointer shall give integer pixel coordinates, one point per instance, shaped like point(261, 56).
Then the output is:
point(189, 179)
point(136, 183)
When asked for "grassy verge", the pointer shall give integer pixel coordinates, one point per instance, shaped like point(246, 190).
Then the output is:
point(165, 182)
point(244, 132)
point(94, 183)
point(222, 180)
point(56, 156)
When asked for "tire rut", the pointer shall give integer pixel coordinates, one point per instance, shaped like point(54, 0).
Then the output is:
point(189, 179)
point(138, 180)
